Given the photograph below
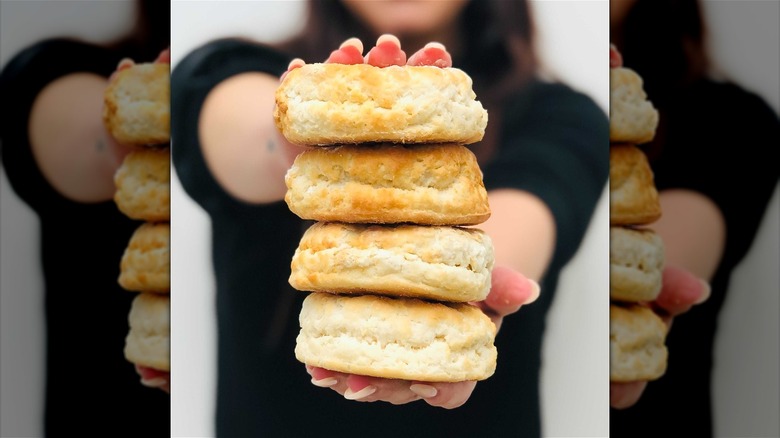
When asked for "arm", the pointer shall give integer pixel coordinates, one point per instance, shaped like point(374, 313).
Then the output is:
point(520, 216)
point(693, 230)
point(70, 145)
point(241, 145)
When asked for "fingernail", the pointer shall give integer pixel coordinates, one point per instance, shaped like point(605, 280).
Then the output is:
point(324, 383)
point(295, 63)
point(535, 291)
point(365, 392)
point(354, 42)
point(424, 391)
point(435, 45)
point(705, 293)
point(153, 383)
point(388, 38)
point(125, 62)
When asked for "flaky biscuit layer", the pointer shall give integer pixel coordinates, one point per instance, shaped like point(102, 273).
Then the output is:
point(145, 265)
point(396, 338)
point(424, 184)
point(636, 344)
point(633, 198)
point(137, 105)
point(438, 263)
point(632, 118)
point(148, 342)
point(636, 262)
point(143, 185)
point(325, 104)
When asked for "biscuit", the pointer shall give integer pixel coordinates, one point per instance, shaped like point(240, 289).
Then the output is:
point(396, 338)
point(424, 184)
point(438, 263)
point(632, 118)
point(143, 185)
point(148, 341)
point(636, 344)
point(633, 198)
point(325, 104)
point(137, 105)
point(636, 262)
point(145, 265)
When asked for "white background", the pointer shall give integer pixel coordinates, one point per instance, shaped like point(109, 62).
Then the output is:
point(572, 35)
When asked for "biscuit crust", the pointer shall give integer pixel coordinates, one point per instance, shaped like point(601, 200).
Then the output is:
point(633, 198)
point(636, 263)
point(145, 265)
point(148, 341)
point(326, 104)
point(438, 263)
point(425, 184)
point(143, 185)
point(137, 105)
point(636, 344)
point(632, 118)
point(396, 338)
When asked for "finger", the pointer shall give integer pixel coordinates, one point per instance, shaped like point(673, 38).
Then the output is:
point(371, 389)
point(624, 395)
point(434, 54)
point(123, 64)
point(444, 395)
point(322, 377)
point(153, 378)
point(387, 52)
point(350, 52)
point(615, 58)
point(680, 290)
point(164, 56)
point(295, 63)
point(510, 290)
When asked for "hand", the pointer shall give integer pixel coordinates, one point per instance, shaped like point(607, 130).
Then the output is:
point(510, 291)
point(615, 58)
point(680, 291)
point(154, 378)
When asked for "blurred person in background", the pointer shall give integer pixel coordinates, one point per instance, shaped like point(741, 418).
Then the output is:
point(713, 196)
point(545, 164)
point(60, 161)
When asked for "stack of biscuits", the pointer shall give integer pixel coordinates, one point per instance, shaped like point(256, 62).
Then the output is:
point(637, 334)
point(137, 114)
point(390, 264)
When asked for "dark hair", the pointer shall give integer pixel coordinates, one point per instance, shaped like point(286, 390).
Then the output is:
point(498, 49)
point(664, 41)
point(151, 33)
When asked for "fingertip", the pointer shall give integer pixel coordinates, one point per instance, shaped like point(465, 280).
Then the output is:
point(125, 63)
point(536, 290)
point(435, 45)
point(353, 42)
point(625, 395)
point(318, 373)
point(423, 390)
point(705, 292)
point(295, 63)
point(388, 38)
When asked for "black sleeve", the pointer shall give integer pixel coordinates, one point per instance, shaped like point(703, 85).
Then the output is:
point(720, 143)
point(554, 144)
point(191, 82)
point(22, 79)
